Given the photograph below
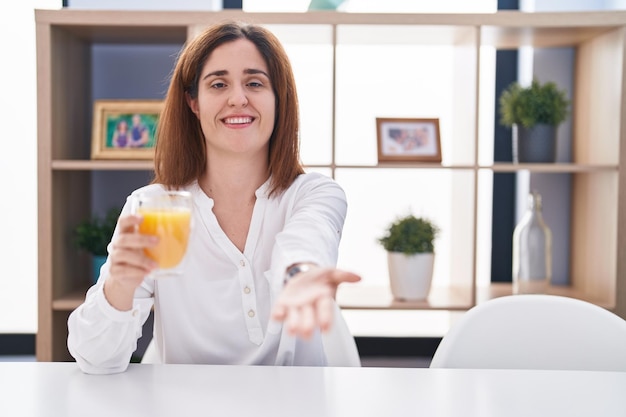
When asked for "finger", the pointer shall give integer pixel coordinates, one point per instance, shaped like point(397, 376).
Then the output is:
point(127, 223)
point(324, 313)
point(279, 312)
point(135, 241)
point(339, 277)
point(307, 321)
point(134, 258)
point(128, 274)
point(292, 320)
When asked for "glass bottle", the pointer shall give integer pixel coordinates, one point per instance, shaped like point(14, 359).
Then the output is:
point(532, 251)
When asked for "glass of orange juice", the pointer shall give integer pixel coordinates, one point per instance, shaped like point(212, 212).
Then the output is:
point(167, 215)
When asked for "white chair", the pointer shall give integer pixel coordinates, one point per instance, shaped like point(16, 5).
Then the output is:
point(338, 342)
point(535, 332)
point(151, 355)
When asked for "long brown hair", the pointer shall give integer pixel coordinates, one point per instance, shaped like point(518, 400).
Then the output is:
point(181, 149)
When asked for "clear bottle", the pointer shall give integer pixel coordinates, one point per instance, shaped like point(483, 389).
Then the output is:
point(532, 251)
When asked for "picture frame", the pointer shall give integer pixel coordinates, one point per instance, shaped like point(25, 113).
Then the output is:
point(408, 140)
point(124, 129)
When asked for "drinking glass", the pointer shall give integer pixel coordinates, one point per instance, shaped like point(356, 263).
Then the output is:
point(167, 215)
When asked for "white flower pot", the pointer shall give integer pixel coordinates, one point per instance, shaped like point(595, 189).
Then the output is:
point(410, 275)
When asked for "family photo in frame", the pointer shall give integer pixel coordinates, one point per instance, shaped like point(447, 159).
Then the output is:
point(124, 129)
point(408, 140)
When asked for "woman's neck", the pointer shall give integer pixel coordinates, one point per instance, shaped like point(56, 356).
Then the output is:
point(233, 180)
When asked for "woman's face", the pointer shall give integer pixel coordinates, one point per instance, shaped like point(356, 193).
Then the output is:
point(236, 102)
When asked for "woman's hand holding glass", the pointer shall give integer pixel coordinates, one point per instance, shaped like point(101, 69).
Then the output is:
point(152, 241)
point(128, 263)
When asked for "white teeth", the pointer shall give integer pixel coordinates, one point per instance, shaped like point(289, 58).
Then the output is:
point(238, 120)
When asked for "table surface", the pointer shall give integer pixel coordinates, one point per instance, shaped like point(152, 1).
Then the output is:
point(44, 389)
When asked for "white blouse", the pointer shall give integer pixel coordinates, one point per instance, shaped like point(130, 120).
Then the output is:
point(218, 310)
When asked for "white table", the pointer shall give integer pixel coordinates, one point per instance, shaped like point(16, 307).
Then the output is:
point(61, 389)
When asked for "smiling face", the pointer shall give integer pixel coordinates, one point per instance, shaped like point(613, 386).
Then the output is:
point(235, 102)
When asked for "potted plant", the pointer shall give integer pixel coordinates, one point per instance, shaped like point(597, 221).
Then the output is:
point(93, 235)
point(409, 243)
point(534, 112)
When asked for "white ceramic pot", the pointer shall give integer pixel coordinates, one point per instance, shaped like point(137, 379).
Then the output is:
point(410, 275)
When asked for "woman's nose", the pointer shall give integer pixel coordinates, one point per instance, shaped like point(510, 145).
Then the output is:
point(237, 97)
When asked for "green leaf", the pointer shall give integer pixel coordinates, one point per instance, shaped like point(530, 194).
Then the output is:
point(410, 235)
point(94, 234)
point(533, 105)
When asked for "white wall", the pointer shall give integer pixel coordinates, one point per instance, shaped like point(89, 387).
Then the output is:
point(18, 167)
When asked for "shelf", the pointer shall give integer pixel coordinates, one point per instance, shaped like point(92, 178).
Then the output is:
point(364, 297)
point(411, 165)
point(70, 301)
point(71, 186)
point(510, 38)
point(102, 165)
point(89, 165)
point(495, 290)
point(98, 165)
point(564, 168)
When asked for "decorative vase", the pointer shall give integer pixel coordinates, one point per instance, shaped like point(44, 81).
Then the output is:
point(96, 263)
point(410, 276)
point(534, 144)
point(532, 251)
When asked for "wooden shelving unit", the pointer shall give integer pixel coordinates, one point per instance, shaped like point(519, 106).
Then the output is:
point(65, 43)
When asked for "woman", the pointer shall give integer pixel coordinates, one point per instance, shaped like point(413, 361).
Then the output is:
point(121, 137)
point(265, 242)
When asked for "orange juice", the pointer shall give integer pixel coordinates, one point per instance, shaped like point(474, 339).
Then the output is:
point(172, 227)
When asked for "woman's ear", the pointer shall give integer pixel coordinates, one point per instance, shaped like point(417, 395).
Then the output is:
point(193, 104)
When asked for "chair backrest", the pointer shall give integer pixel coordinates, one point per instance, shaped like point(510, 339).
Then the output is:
point(151, 355)
point(535, 332)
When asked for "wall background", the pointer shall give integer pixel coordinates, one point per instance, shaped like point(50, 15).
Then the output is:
point(18, 167)
point(18, 156)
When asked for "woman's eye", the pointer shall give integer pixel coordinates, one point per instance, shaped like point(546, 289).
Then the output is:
point(255, 84)
point(218, 85)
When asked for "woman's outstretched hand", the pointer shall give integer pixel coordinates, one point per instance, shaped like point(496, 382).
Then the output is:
point(306, 302)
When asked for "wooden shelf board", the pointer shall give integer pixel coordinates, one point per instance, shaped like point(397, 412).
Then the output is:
point(507, 19)
point(495, 290)
point(96, 165)
point(102, 165)
point(364, 297)
point(546, 37)
point(554, 168)
point(69, 301)
point(151, 35)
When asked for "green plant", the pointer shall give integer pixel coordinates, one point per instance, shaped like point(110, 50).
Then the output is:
point(94, 234)
point(410, 235)
point(533, 105)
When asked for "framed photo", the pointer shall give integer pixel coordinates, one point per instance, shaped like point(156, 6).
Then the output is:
point(124, 129)
point(408, 140)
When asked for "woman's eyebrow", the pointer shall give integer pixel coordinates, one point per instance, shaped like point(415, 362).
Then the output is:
point(220, 73)
point(255, 71)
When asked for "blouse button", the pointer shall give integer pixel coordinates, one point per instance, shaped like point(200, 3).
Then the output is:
point(246, 290)
point(251, 313)
point(242, 263)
